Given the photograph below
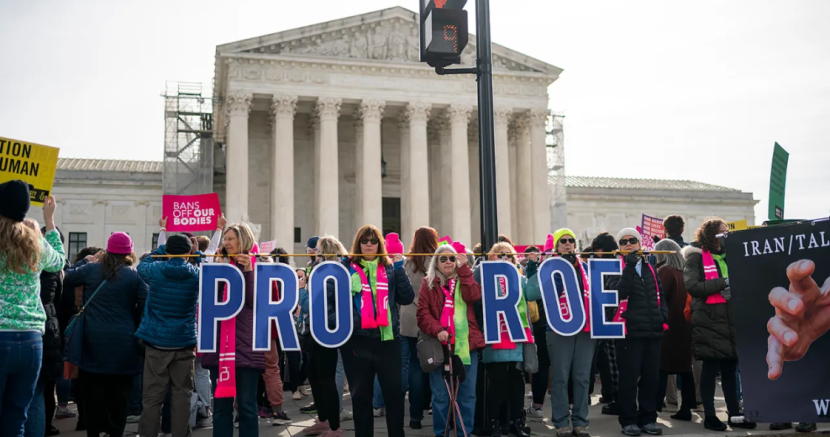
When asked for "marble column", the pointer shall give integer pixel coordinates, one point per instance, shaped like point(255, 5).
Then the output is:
point(406, 175)
point(512, 145)
point(459, 187)
point(524, 202)
point(539, 175)
point(238, 106)
point(415, 200)
point(475, 182)
point(503, 170)
point(328, 195)
point(283, 109)
point(369, 179)
point(443, 177)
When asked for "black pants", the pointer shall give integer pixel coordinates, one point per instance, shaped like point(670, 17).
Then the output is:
point(322, 367)
point(728, 379)
point(539, 383)
point(687, 390)
point(639, 361)
point(106, 398)
point(49, 402)
point(363, 358)
point(482, 419)
point(293, 377)
point(505, 385)
point(607, 390)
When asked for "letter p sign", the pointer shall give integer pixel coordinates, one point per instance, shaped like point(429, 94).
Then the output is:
point(221, 297)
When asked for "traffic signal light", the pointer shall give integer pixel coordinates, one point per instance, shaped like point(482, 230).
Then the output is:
point(444, 31)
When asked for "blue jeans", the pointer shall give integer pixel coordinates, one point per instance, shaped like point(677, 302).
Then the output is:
point(414, 379)
point(36, 418)
point(247, 381)
point(20, 358)
point(466, 398)
point(339, 375)
point(63, 387)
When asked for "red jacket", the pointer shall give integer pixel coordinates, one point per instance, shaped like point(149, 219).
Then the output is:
point(431, 304)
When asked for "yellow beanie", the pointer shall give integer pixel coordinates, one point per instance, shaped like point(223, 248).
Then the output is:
point(561, 233)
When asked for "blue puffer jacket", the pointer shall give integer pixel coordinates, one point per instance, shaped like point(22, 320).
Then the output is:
point(170, 314)
point(490, 355)
point(110, 345)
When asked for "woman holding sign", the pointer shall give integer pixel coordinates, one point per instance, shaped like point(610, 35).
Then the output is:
point(713, 331)
point(241, 367)
point(379, 285)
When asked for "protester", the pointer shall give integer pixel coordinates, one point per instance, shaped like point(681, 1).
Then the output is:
point(238, 242)
point(571, 356)
point(168, 331)
point(445, 311)
point(322, 360)
point(313, 259)
point(271, 378)
point(676, 354)
point(540, 380)
point(713, 332)
point(675, 226)
point(113, 296)
point(24, 254)
point(374, 347)
point(505, 384)
point(294, 364)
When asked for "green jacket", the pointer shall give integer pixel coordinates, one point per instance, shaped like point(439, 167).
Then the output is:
point(20, 306)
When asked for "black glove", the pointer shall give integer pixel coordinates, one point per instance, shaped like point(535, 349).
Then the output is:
point(571, 257)
point(531, 268)
point(632, 259)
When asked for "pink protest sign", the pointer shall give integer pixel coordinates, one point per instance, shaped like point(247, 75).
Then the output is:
point(651, 227)
point(266, 247)
point(191, 213)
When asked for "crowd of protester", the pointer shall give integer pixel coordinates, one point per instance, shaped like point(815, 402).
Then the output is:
point(135, 357)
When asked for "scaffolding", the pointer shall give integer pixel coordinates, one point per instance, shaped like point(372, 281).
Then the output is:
point(556, 171)
point(188, 139)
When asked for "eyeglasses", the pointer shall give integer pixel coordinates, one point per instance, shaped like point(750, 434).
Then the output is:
point(444, 259)
point(369, 241)
point(631, 240)
point(567, 241)
point(501, 255)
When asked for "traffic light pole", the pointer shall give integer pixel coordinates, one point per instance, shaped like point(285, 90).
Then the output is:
point(486, 136)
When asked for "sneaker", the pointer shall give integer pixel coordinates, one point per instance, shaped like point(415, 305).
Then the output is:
point(265, 413)
point(564, 432)
point(805, 427)
point(205, 422)
point(581, 431)
point(297, 396)
point(651, 429)
point(780, 426)
point(346, 415)
point(280, 419)
point(713, 423)
point(236, 421)
point(335, 433)
point(317, 429)
point(532, 411)
point(612, 409)
point(305, 391)
point(311, 409)
point(529, 395)
point(741, 422)
point(64, 413)
point(415, 424)
point(631, 430)
point(378, 412)
point(133, 419)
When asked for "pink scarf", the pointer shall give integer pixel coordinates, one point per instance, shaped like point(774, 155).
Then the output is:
point(586, 295)
point(369, 319)
point(226, 382)
point(623, 307)
point(710, 271)
point(504, 340)
point(448, 312)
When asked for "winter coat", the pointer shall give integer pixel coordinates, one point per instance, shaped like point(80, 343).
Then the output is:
point(51, 286)
point(713, 329)
point(400, 293)
point(246, 357)
point(409, 322)
point(679, 240)
point(431, 305)
point(170, 313)
point(677, 341)
point(111, 319)
point(490, 355)
point(20, 306)
point(644, 318)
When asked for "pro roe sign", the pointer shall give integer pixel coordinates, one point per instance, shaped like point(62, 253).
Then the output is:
point(191, 213)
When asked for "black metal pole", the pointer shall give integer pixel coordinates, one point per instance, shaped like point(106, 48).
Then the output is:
point(486, 136)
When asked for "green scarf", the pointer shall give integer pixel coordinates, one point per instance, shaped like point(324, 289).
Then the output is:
point(462, 326)
point(721, 260)
point(371, 270)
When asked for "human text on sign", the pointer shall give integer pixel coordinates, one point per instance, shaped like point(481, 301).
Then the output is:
point(191, 213)
point(32, 163)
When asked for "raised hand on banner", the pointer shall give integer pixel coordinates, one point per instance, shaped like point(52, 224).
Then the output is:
point(802, 315)
point(163, 223)
point(49, 207)
point(244, 261)
point(221, 222)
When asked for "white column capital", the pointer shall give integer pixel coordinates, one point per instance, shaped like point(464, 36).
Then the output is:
point(284, 106)
point(404, 118)
point(459, 113)
point(328, 107)
point(503, 115)
point(521, 123)
point(418, 111)
point(538, 116)
point(238, 103)
point(371, 110)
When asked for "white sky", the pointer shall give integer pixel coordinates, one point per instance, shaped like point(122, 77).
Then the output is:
point(678, 90)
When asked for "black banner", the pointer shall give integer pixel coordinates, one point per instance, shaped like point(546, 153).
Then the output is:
point(780, 280)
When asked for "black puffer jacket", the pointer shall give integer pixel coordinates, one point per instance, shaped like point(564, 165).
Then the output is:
point(713, 330)
point(51, 287)
point(644, 317)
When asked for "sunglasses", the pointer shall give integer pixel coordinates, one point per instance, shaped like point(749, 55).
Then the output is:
point(631, 240)
point(567, 241)
point(502, 255)
point(369, 241)
point(444, 259)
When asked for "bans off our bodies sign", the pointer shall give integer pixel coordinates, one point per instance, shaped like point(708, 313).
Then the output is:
point(191, 213)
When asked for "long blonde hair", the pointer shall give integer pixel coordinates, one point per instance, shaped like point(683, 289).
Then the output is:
point(21, 246)
point(244, 235)
point(329, 245)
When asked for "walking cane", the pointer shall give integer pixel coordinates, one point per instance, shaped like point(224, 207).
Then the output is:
point(452, 389)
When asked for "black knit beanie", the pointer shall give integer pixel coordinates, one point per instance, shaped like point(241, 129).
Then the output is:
point(178, 245)
point(14, 200)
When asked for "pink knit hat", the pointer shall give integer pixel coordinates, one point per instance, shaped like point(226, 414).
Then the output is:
point(120, 243)
point(393, 243)
point(459, 247)
point(548, 243)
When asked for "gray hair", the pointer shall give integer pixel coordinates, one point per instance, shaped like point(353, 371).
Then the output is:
point(432, 270)
point(673, 260)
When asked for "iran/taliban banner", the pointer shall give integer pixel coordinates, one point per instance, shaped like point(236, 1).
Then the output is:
point(780, 280)
point(31, 163)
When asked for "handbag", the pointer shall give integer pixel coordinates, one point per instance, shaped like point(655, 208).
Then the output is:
point(533, 311)
point(430, 352)
point(530, 360)
point(74, 334)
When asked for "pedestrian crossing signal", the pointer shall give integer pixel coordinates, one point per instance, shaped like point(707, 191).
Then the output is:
point(444, 32)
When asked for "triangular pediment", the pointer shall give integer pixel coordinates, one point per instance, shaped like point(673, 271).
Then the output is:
point(388, 35)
